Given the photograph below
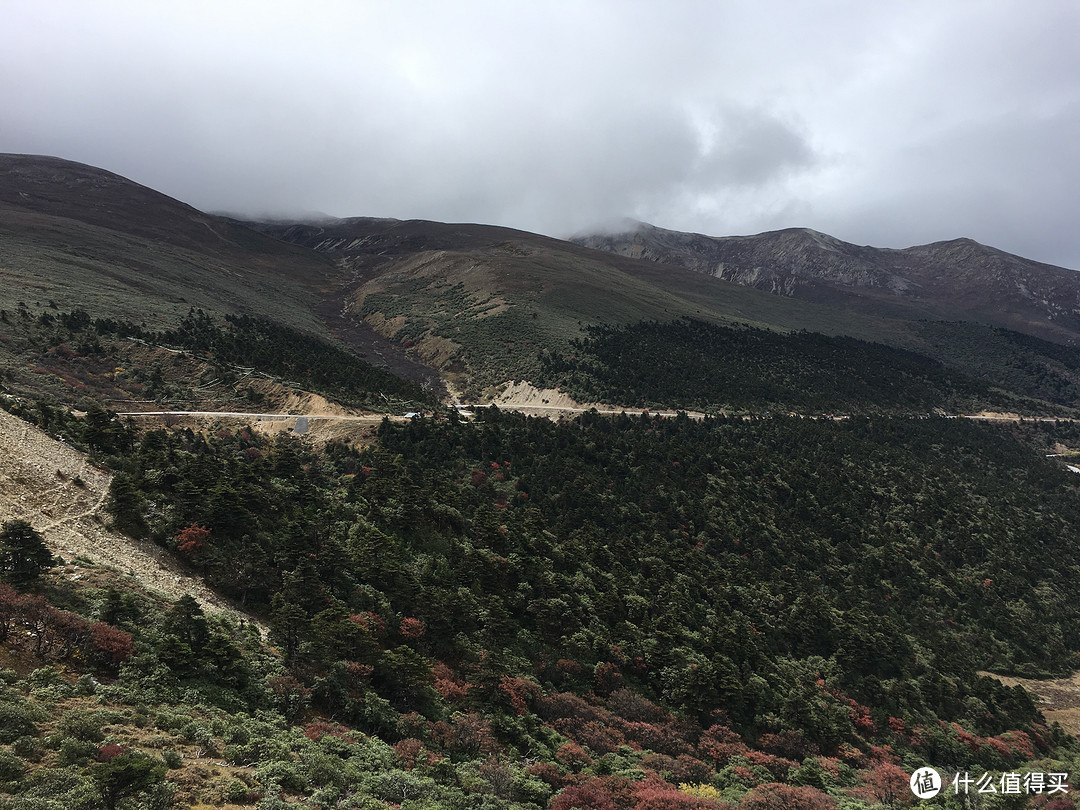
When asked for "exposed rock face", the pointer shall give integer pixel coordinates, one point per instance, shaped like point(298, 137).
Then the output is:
point(959, 278)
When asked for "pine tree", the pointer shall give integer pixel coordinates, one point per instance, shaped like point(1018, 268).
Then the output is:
point(23, 554)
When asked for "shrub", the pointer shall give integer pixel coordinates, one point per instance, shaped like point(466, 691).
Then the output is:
point(47, 682)
point(16, 720)
point(126, 775)
point(775, 796)
point(11, 767)
point(236, 792)
point(282, 776)
point(84, 725)
point(74, 751)
point(28, 748)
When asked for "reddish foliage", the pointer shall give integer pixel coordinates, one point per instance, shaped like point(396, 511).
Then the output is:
point(779, 767)
point(568, 668)
point(478, 478)
point(664, 738)
point(469, 735)
point(358, 671)
point(590, 796)
point(111, 643)
point(58, 634)
point(773, 796)
point(789, 744)
point(678, 769)
point(607, 678)
point(850, 754)
point(719, 744)
point(107, 753)
point(831, 766)
point(448, 684)
point(547, 773)
point(654, 793)
point(411, 752)
point(745, 775)
point(411, 628)
point(600, 737)
point(571, 755)
point(192, 539)
point(1018, 744)
point(518, 691)
point(886, 784)
point(883, 753)
point(630, 705)
point(319, 729)
point(567, 705)
point(369, 622)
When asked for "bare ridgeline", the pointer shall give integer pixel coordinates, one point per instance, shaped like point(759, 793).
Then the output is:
point(753, 559)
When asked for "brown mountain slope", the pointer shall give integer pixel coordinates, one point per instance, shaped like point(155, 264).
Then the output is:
point(956, 280)
point(482, 302)
point(81, 236)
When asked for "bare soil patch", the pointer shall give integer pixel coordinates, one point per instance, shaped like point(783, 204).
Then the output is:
point(62, 494)
point(1057, 699)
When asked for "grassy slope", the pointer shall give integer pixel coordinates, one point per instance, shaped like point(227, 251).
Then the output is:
point(82, 237)
point(488, 302)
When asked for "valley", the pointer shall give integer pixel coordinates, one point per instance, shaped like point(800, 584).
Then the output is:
point(369, 513)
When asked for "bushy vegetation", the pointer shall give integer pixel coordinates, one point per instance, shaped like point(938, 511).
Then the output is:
point(701, 366)
point(522, 586)
point(85, 355)
point(630, 612)
point(1006, 359)
point(269, 347)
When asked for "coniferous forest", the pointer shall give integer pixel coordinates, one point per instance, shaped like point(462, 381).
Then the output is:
point(632, 611)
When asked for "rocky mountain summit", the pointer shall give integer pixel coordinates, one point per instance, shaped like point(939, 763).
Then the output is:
point(959, 278)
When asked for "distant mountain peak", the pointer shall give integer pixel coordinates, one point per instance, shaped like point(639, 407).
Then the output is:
point(954, 279)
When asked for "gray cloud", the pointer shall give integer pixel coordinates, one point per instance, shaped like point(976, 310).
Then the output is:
point(889, 123)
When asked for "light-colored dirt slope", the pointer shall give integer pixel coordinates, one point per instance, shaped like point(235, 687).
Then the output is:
point(1058, 699)
point(37, 484)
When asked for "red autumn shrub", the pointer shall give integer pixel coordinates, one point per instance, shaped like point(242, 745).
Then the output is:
point(719, 744)
point(518, 691)
point(319, 729)
point(107, 753)
point(111, 643)
point(653, 793)
point(774, 796)
point(571, 755)
point(369, 622)
point(633, 707)
point(886, 784)
point(547, 773)
point(589, 796)
point(788, 744)
point(448, 684)
point(192, 539)
point(467, 735)
point(777, 766)
point(607, 678)
point(411, 753)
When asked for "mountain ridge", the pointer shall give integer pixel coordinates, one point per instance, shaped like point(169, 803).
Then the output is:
point(955, 277)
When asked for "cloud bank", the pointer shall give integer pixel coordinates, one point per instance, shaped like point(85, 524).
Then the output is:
point(890, 123)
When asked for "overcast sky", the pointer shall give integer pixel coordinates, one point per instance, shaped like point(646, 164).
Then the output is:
point(884, 123)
